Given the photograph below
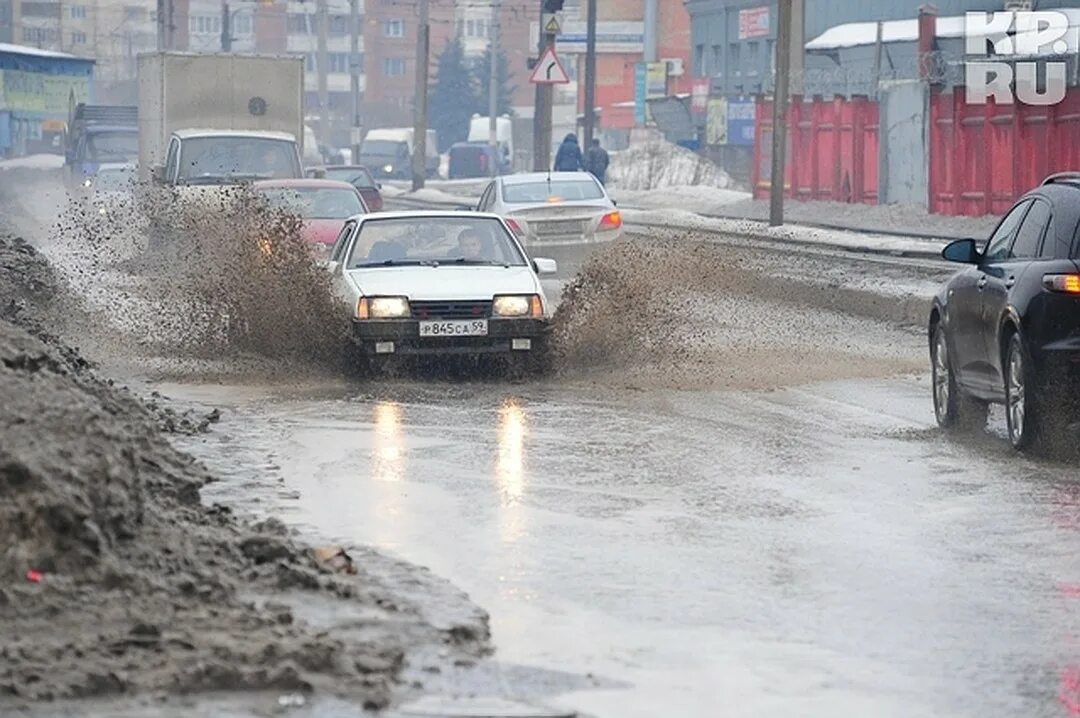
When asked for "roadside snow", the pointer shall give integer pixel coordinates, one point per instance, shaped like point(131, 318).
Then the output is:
point(856, 241)
point(662, 164)
point(37, 162)
point(692, 198)
point(437, 196)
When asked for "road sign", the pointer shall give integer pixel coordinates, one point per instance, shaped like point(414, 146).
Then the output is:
point(552, 26)
point(548, 70)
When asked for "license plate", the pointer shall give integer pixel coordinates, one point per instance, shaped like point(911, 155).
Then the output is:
point(455, 328)
point(559, 228)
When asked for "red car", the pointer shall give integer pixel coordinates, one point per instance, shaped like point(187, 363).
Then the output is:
point(359, 177)
point(324, 205)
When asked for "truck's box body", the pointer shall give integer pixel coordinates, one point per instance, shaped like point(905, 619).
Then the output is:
point(184, 91)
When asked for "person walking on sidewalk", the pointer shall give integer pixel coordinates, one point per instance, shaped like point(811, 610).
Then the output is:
point(596, 161)
point(568, 158)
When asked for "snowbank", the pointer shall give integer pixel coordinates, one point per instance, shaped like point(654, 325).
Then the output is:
point(662, 164)
point(37, 162)
point(692, 198)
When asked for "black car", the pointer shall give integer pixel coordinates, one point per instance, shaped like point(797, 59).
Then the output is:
point(1007, 329)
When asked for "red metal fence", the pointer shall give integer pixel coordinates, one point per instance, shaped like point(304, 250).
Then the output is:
point(982, 157)
point(832, 150)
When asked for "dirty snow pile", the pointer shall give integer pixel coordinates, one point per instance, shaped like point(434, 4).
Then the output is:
point(116, 579)
point(657, 163)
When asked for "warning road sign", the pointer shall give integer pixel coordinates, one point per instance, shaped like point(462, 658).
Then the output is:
point(548, 70)
point(552, 26)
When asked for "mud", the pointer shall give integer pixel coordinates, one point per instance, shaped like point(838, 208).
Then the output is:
point(115, 579)
point(684, 313)
point(210, 273)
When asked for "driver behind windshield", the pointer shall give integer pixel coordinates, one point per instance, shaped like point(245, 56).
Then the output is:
point(471, 245)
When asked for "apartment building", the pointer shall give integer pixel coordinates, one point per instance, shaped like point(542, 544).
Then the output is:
point(112, 32)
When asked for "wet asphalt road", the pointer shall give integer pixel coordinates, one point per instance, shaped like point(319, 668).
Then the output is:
point(809, 551)
point(816, 550)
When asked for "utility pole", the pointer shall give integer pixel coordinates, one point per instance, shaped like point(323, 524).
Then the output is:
point(226, 28)
point(493, 88)
point(322, 61)
point(650, 30)
point(354, 76)
point(419, 158)
point(590, 77)
point(545, 94)
point(779, 123)
point(164, 25)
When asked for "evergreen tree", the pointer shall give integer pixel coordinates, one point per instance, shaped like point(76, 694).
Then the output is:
point(482, 78)
point(453, 96)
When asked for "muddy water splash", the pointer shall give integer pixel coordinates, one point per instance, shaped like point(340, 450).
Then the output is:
point(684, 313)
point(209, 273)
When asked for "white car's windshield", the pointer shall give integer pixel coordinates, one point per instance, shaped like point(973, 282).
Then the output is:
point(556, 190)
point(315, 202)
point(111, 146)
point(218, 157)
point(384, 148)
point(119, 180)
point(434, 240)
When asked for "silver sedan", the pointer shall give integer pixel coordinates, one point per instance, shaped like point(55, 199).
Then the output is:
point(555, 207)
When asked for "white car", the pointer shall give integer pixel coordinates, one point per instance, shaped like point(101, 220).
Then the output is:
point(553, 207)
point(112, 188)
point(434, 283)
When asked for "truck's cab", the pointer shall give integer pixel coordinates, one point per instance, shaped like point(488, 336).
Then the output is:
point(97, 135)
point(214, 157)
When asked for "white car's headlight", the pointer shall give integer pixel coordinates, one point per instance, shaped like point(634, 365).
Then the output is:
point(382, 308)
point(388, 168)
point(517, 305)
point(87, 182)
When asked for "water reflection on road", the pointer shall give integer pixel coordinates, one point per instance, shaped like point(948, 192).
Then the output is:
point(815, 551)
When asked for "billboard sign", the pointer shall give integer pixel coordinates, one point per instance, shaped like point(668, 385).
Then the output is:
point(699, 95)
point(740, 121)
point(622, 37)
point(753, 22)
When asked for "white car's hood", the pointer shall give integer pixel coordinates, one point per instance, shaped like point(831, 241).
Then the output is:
point(445, 282)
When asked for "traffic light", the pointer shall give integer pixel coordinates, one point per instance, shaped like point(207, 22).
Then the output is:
point(553, 5)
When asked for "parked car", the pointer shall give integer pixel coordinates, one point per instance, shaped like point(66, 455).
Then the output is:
point(553, 207)
point(1006, 329)
point(359, 177)
point(440, 283)
point(324, 205)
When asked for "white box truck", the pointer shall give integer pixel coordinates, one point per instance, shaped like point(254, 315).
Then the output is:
point(219, 119)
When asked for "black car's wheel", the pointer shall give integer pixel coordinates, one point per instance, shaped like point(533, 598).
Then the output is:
point(952, 408)
point(1025, 412)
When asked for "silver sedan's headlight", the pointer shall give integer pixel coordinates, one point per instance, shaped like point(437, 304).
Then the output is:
point(517, 305)
point(389, 307)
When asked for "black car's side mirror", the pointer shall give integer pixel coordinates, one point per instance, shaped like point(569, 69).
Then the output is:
point(965, 251)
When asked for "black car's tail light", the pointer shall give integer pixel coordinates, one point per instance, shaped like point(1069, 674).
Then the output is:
point(1066, 283)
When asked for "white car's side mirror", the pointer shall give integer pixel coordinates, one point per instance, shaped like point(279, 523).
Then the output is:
point(330, 266)
point(545, 266)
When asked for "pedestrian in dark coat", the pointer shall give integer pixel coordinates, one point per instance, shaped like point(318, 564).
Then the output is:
point(596, 161)
point(568, 158)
